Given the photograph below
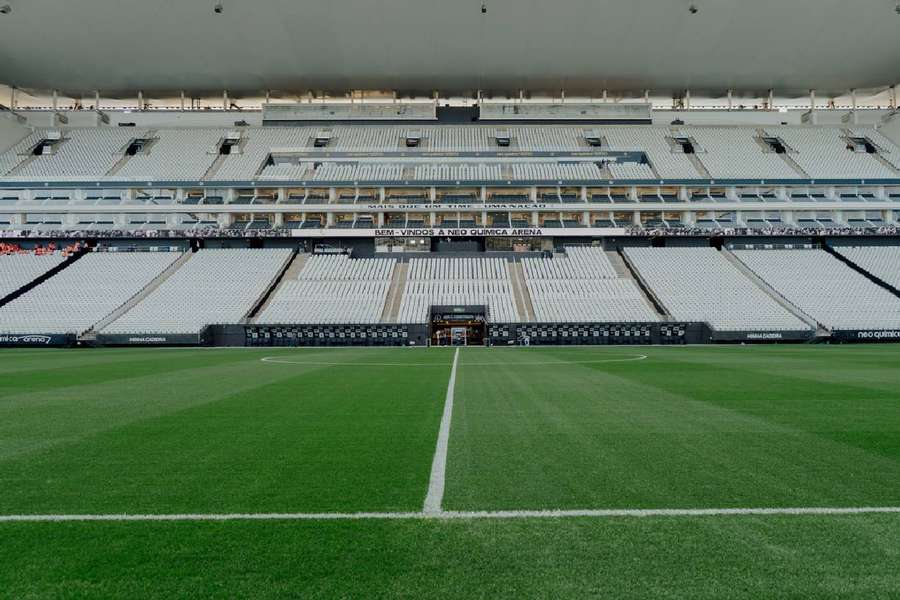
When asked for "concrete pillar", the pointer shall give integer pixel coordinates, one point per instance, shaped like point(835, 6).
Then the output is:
point(636, 217)
point(140, 100)
point(379, 218)
point(278, 219)
point(329, 219)
point(730, 99)
point(182, 100)
point(484, 218)
point(55, 100)
point(13, 101)
point(535, 219)
point(224, 99)
point(586, 218)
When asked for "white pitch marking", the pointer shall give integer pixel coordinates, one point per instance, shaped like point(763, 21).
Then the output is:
point(435, 494)
point(452, 515)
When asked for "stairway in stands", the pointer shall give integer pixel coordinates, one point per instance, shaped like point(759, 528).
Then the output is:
point(391, 311)
point(91, 334)
point(821, 331)
point(625, 271)
point(522, 298)
point(289, 274)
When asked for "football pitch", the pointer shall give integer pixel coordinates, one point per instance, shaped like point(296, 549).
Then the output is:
point(615, 472)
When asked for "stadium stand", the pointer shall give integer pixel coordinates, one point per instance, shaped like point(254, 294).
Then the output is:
point(458, 281)
point(699, 284)
point(825, 288)
point(881, 261)
point(583, 287)
point(332, 289)
point(729, 156)
point(192, 154)
point(215, 286)
point(822, 152)
point(17, 270)
point(83, 293)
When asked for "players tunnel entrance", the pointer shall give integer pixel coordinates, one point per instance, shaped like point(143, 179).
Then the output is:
point(458, 325)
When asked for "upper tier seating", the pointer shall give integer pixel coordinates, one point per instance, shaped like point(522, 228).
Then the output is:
point(822, 154)
point(729, 156)
point(190, 154)
point(881, 261)
point(583, 287)
point(458, 281)
point(332, 289)
point(17, 270)
point(825, 288)
point(84, 293)
point(177, 154)
point(700, 284)
point(215, 286)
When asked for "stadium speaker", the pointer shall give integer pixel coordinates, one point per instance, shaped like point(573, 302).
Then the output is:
point(5, 9)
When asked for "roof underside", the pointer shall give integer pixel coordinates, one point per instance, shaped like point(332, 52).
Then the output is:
point(120, 46)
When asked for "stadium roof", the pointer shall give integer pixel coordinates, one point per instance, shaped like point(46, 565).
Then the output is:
point(120, 46)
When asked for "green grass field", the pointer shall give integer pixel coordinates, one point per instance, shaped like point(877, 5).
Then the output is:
point(220, 431)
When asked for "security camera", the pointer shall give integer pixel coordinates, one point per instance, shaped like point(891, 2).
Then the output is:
point(218, 8)
point(896, 8)
point(484, 8)
point(693, 9)
point(6, 9)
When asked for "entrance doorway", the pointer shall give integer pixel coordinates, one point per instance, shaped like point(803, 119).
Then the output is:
point(457, 325)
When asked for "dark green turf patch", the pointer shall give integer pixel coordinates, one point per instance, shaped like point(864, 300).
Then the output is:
point(687, 427)
point(218, 431)
point(697, 558)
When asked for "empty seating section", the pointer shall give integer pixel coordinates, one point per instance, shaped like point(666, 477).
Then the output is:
point(583, 287)
point(627, 170)
point(19, 152)
point(458, 172)
point(256, 146)
point(886, 148)
point(175, 154)
point(825, 288)
point(332, 289)
point(554, 171)
point(82, 154)
point(215, 286)
point(84, 293)
point(737, 154)
point(17, 270)
point(458, 281)
point(823, 154)
point(189, 154)
point(668, 163)
point(700, 284)
point(357, 172)
point(881, 261)
point(288, 172)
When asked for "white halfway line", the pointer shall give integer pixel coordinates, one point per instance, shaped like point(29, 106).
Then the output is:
point(450, 515)
point(439, 464)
